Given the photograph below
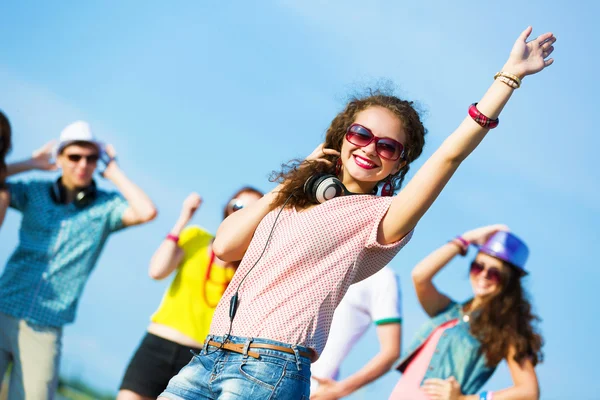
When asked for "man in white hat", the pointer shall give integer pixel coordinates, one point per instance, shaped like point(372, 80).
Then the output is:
point(64, 227)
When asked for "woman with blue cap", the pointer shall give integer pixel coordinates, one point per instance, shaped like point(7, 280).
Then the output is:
point(458, 349)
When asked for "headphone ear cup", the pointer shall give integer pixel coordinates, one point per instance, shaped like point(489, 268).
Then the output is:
point(57, 192)
point(321, 188)
point(85, 196)
point(308, 188)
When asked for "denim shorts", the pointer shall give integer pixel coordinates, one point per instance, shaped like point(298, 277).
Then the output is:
point(223, 374)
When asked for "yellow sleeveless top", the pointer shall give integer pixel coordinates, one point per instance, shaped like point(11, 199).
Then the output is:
point(189, 303)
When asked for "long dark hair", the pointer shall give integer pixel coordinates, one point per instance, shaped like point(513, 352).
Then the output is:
point(293, 178)
point(508, 320)
point(5, 144)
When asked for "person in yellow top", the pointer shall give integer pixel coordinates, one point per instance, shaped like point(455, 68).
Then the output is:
point(183, 318)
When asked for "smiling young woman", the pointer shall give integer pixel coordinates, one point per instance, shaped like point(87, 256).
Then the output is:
point(455, 353)
point(300, 255)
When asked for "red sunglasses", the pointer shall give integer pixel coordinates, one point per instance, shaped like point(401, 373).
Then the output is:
point(387, 148)
point(491, 273)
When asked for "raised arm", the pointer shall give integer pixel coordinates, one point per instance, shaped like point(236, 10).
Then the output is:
point(411, 203)
point(141, 209)
point(168, 256)
point(41, 159)
point(236, 231)
point(431, 299)
point(389, 336)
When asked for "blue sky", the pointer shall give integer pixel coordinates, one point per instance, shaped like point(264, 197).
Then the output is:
point(209, 96)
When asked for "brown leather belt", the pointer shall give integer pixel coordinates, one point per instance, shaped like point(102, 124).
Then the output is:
point(239, 348)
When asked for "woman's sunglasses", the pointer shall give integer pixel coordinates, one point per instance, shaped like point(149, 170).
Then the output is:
point(91, 159)
point(492, 273)
point(387, 148)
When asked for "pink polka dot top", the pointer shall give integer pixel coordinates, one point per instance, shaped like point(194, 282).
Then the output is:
point(311, 260)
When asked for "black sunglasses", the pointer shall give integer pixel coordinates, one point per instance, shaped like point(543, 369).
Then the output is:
point(91, 159)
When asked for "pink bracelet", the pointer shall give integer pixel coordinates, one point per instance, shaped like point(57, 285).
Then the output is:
point(172, 237)
point(462, 244)
point(482, 120)
point(464, 241)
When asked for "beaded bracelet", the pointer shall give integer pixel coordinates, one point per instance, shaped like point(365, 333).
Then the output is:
point(481, 119)
point(510, 76)
point(509, 82)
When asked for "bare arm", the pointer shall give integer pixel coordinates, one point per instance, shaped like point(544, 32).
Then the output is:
point(4, 202)
point(525, 382)
point(19, 167)
point(40, 160)
point(141, 209)
point(236, 231)
point(168, 256)
point(411, 203)
point(430, 298)
point(389, 351)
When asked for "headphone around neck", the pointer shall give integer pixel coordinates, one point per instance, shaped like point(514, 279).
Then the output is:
point(322, 187)
point(319, 188)
point(84, 196)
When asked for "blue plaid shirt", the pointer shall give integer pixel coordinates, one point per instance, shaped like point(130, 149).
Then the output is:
point(58, 249)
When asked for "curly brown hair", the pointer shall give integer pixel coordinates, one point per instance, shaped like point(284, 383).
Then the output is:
point(5, 144)
point(293, 178)
point(508, 320)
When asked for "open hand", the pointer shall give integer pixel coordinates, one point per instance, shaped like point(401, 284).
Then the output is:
point(42, 157)
point(528, 58)
point(190, 205)
point(109, 149)
point(479, 236)
point(319, 154)
point(329, 389)
point(442, 389)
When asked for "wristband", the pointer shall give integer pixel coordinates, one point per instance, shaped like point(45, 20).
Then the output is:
point(485, 395)
point(464, 241)
point(482, 120)
point(462, 244)
point(106, 160)
point(172, 237)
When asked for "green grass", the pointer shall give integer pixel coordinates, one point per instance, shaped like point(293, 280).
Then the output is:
point(68, 389)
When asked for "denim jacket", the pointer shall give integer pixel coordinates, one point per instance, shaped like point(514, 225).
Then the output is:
point(457, 354)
